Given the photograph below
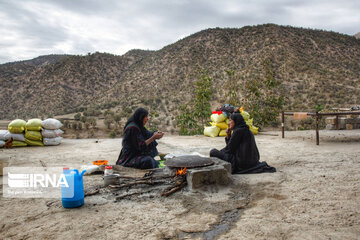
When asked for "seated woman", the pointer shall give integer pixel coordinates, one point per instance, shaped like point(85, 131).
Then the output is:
point(139, 145)
point(241, 150)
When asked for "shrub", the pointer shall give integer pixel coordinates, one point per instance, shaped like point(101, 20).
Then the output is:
point(108, 112)
point(91, 133)
point(108, 121)
point(92, 112)
point(112, 134)
point(67, 124)
point(77, 116)
point(198, 110)
point(92, 121)
point(83, 119)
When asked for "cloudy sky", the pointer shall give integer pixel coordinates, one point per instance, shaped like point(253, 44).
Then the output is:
point(30, 28)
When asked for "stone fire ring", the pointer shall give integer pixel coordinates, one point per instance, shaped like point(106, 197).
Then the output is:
point(188, 161)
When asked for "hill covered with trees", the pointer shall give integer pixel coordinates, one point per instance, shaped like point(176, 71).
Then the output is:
point(310, 67)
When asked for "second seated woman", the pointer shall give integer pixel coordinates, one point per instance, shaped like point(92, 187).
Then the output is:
point(241, 150)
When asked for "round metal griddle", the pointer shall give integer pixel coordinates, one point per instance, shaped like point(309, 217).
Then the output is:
point(188, 161)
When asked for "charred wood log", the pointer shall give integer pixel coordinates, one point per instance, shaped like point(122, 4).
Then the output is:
point(91, 193)
point(131, 194)
point(138, 183)
point(180, 183)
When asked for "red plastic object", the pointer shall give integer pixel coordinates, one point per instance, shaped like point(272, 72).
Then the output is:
point(217, 112)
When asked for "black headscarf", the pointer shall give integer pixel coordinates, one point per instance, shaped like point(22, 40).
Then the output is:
point(239, 120)
point(138, 119)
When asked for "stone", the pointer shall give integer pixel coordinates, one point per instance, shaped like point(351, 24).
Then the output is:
point(217, 174)
point(330, 127)
point(349, 126)
point(341, 122)
point(351, 116)
point(197, 178)
point(330, 120)
point(350, 120)
point(358, 120)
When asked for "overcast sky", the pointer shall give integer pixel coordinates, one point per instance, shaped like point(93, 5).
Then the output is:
point(30, 28)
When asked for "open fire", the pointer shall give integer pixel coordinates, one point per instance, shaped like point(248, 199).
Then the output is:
point(181, 171)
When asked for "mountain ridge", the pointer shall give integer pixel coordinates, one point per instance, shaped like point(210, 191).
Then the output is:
point(313, 66)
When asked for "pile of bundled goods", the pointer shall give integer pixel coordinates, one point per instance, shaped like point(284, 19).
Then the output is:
point(220, 121)
point(15, 133)
point(34, 132)
point(249, 121)
point(33, 135)
point(218, 126)
point(51, 132)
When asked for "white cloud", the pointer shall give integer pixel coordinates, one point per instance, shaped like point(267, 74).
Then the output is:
point(33, 28)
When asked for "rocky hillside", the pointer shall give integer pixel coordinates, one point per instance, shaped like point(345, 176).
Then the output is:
point(59, 84)
point(314, 68)
point(357, 35)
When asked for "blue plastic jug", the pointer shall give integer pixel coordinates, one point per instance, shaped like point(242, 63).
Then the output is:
point(72, 196)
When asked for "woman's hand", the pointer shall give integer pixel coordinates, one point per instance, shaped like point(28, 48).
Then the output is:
point(158, 135)
point(228, 133)
point(155, 136)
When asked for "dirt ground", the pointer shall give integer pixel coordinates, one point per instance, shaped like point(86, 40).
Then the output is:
point(315, 194)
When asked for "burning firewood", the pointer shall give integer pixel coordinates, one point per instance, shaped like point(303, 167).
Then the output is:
point(175, 189)
point(181, 171)
point(179, 184)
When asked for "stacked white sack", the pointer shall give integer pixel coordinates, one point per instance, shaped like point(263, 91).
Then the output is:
point(51, 132)
point(6, 135)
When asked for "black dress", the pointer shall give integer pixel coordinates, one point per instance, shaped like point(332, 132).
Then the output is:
point(241, 150)
point(134, 152)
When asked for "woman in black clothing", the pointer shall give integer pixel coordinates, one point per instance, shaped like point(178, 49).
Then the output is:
point(241, 150)
point(139, 145)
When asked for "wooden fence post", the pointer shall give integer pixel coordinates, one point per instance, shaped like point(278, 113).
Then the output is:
point(283, 124)
point(317, 128)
